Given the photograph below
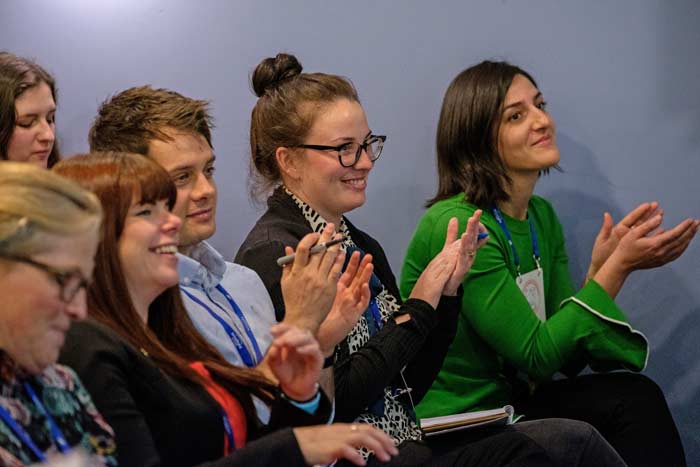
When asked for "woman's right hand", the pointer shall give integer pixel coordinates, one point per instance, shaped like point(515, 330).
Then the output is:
point(610, 235)
point(324, 444)
point(645, 246)
point(309, 283)
point(649, 246)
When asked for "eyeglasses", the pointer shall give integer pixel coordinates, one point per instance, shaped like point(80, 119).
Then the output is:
point(70, 282)
point(349, 153)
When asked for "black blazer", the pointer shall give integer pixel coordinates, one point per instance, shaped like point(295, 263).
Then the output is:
point(419, 344)
point(163, 421)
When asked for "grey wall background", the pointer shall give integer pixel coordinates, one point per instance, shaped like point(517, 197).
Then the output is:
point(621, 79)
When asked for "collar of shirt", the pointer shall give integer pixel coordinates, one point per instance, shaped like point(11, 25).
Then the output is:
point(203, 267)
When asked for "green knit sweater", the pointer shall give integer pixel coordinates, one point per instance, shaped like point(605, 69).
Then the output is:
point(498, 330)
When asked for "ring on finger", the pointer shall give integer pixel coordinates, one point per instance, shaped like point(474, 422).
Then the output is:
point(471, 254)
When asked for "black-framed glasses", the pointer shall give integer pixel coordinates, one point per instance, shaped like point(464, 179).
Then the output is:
point(69, 282)
point(349, 153)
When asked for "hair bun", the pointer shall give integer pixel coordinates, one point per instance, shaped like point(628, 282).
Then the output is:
point(272, 71)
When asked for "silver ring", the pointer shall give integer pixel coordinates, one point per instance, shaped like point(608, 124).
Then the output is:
point(471, 254)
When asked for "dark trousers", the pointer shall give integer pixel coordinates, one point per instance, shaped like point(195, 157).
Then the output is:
point(628, 409)
point(464, 449)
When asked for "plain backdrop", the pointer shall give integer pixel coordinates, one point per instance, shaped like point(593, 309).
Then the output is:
point(621, 79)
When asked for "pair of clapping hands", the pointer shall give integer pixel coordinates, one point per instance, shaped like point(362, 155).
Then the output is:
point(636, 242)
point(317, 297)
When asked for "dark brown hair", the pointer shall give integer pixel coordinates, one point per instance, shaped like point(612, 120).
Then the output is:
point(288, 103)
point(18, 74)
point(170, 338)
point(130, 120)
point(467, 151)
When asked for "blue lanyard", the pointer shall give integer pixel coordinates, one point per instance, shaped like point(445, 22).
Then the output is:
point(228, 428)
point(21, 433)
point(374, 317)
point(533, 235)
point(243, 351)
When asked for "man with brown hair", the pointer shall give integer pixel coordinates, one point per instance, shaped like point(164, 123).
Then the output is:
point(175, 131)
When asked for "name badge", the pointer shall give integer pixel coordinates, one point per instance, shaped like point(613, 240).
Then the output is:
point(532, 287)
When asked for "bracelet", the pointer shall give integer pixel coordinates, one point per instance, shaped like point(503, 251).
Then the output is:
point(316, 395)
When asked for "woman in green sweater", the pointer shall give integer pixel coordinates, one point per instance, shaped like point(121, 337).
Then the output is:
point(522, 319)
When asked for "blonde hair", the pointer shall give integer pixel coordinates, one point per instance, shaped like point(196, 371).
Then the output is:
point(35, 202)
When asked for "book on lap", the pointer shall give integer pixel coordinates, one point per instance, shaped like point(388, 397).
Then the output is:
point(461, 421)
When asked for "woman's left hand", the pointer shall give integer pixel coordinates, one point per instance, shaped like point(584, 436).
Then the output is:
point(351, 300)
point(295, 359)
point(467, 246)
point(610, 235)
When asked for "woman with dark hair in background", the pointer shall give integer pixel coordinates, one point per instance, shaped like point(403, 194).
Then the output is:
point(520, 311)
point(171, 397)
point(27, 112)
point(312, 147)
point(49, 231)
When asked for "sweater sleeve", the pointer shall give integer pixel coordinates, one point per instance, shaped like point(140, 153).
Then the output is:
point(266, 452)
point(360, 377)
point(425, 366)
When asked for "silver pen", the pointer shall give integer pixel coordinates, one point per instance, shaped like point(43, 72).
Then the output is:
point(284, 260)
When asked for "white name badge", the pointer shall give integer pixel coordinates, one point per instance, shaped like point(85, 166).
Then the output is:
point(532, 287)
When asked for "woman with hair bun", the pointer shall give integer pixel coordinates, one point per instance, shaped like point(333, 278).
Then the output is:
point(27, 112)
point(313, 149)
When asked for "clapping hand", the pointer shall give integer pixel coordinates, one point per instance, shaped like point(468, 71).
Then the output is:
point(610, 235)
point(295, 360)
point(468, 245)
point(647, 245)
point(446, 271)
point(351, 300)
point(309, 283)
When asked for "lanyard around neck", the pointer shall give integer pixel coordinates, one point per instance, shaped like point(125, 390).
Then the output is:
point(22, 434)
point(374, 317)
point(237, 341)
point(535, 247)
point(228, 429)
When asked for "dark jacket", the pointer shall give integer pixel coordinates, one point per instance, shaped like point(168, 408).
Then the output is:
point(163, 421)
point(420, 344)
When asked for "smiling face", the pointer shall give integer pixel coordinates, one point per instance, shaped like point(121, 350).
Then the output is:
point(527, 134)
point(34, 133)
point(189, 160)
point(319, 179)
point(33, 318)
point(147, 248)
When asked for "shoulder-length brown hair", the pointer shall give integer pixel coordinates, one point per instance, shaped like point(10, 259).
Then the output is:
point(467, 152)
point(170, 338)
point(18, 74)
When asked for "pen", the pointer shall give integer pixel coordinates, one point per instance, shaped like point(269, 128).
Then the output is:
point(284, 260)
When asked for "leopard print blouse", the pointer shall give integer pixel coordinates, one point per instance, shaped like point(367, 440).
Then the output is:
point(397, 420)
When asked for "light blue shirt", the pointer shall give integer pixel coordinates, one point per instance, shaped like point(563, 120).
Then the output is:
point(200, 273)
